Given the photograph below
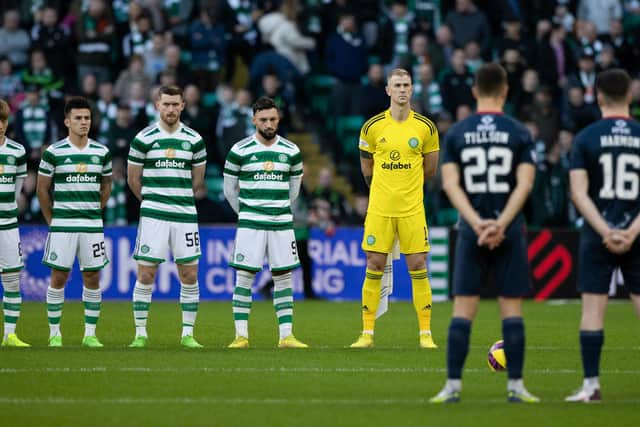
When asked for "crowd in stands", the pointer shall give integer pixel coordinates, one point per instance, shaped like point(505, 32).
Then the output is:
point(324, 62)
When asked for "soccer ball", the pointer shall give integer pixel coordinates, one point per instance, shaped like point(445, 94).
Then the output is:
point(496, 359)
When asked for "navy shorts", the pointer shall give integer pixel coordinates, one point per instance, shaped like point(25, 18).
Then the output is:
point(508, 262)
point(596, 265)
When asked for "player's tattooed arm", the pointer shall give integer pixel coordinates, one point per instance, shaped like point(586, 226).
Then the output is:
point(366, 166)
point(105, 190)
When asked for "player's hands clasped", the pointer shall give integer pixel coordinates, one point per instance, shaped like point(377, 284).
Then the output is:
point(619, 241)
point(490, 233)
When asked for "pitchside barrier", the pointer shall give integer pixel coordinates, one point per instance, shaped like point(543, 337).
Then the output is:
point(338, 266)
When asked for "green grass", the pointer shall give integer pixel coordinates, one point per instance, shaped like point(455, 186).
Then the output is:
point(325, 385)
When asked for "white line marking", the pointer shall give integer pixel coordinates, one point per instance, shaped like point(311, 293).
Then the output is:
point(283, 370)
point(244, 401)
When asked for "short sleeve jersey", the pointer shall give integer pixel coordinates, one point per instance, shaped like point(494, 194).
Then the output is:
point(488, 147)
point(609, 151)
point(77, 176)
point(263, 174)
point(13, 165)
point(398, 150)
point(166, 160)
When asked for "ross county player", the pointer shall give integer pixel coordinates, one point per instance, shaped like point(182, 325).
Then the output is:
point(13, 170)
point(605, 180)
point(487, 174)
point(78, 169)
point(167, 161)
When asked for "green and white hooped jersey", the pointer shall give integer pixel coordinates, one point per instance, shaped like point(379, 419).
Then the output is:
point(263, 175)
point(166, 160)
point(77, 176)
point(13, 165)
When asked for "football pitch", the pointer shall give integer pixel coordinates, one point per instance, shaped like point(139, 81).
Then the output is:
point(326, 385)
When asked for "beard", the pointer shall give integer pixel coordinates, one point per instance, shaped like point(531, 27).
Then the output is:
point(267, 134)
point(170, 119)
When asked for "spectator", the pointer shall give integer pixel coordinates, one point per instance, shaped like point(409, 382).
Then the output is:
point(548, 204)
point(473, 59)
point(14, 41)
point(346, 60)
point(587, 36)
point(89, 88)
point(55, 41)
point(121, 132)
point(279, 29)
point(545, 115)
point(133, 74)
point(456, 83)
point(272, 87)
point(514, 66)
point(554, 59)
point(325, 190)
point(195, 115)
point(174, 63)
point(635, 98)
point(373, 97)
point(513, 38)
point(208, 49)
point(32, 124)
point(10, 83)
point(138, 40)
point(154, 58)
point(625, 49)
point(38, 73)
point(600, 12)
point(579, 114)
point(178, 13)
point(586, 75)
point(427, 97)
point(467, 23)
point(395, 33)
point(444, 39)
point(107, 109)
point(563, 17)
point(525, 93)
point(424, 52)
point(95, 32)
point(360, 206)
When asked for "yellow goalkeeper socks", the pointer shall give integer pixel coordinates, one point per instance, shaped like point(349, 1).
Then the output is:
point(370, 299)
point(421, 298)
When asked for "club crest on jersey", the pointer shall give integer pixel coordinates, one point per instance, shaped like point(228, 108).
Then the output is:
point(186, 146)
point(145, 249)
point(371, 239)
point(11, 160)
point(239, 257)
point(95, 160)
point(268, 166)
point(282, 157)
point(413, 142)
point(82, 168)
point(169, 153)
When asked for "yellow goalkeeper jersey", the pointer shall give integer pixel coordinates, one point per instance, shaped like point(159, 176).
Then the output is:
point(398, 150)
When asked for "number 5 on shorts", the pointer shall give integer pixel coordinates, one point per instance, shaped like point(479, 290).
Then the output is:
point(193, 239)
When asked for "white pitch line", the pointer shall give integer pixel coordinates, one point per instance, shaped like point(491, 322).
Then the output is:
point(7, 400)
point(281, 370)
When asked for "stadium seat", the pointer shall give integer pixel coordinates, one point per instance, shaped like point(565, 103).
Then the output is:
point(209, 99)
point(318, 90)
point(348, 133)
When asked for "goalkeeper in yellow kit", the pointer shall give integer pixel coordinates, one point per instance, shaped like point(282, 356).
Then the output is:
point(398, 151)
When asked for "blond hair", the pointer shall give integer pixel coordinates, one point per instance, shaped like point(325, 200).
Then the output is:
point(401, 72)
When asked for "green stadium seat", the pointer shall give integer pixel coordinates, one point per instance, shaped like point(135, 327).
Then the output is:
point(209, 99)
point(348, 134)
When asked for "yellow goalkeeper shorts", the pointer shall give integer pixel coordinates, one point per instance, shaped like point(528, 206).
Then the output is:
point(380, 232)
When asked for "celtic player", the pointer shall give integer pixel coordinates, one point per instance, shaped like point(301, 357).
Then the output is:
point(167, 162)
point(78, 170)
point(399, 149)
point(13, 169)
point(262, 176)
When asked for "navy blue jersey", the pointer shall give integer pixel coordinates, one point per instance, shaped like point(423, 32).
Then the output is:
point(488, 147)
point(609, 151)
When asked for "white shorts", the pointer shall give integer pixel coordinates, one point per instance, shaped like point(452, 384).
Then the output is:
point(61, 250)
point(251, 247)
point(10, 251)
point(156, 237)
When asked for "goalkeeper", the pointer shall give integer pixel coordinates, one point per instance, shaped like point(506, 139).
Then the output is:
point(398, 151)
